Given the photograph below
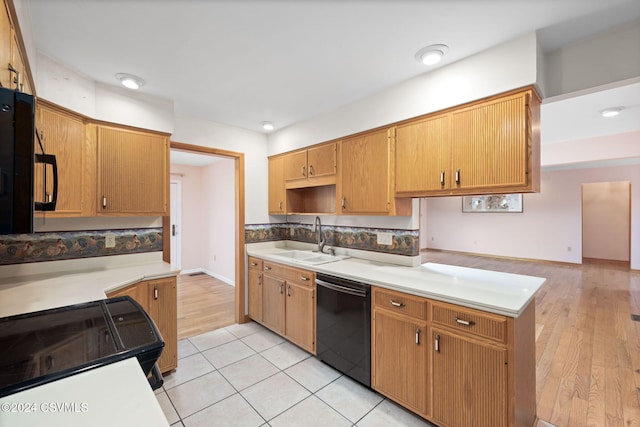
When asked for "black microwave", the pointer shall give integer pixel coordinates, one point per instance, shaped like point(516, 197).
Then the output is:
point(17, 158)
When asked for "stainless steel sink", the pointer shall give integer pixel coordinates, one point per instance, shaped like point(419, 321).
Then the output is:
point(310, 257)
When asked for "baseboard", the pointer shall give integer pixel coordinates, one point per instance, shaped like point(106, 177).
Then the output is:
point(208, 273)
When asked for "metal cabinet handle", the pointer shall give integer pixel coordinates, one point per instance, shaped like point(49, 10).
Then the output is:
point(442, 178)
point(281, 286)
point(304, 278)
point(104, 202)
point(173, 229)
point(289, 291)
point(260, 280)
point(280, 205)
point(310, 170)
point(397, 304)
point(303, 171)
point(254, 264)
point(436, 345)
point(417, 336)
point(266, 267)
point(458, 176)
point(464, 322)
point(155, 292)
point(344, 203)
point(50, 362)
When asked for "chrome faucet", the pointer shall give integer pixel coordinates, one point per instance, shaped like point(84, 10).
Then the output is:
point(317, 228)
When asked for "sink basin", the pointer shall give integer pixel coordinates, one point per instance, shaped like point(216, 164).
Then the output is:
point(310, 257)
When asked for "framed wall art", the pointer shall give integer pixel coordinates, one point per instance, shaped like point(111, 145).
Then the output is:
point(492, 203)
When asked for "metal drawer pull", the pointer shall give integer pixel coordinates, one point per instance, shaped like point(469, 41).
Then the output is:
point(304, 278)
point(344, 203)
point(104, 202)
point(458, 176)
point(442, 178)
point(266, 267)
point(281, 286)
point(465, 322)
point(436, 346)
point(155, 293)
point(289, 291)
point(254, 264)
point(397, 304)
point(417, 336)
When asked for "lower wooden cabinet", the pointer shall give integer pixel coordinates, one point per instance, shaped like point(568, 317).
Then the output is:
point(283, 299)
point(455, 366)
point(158, 297)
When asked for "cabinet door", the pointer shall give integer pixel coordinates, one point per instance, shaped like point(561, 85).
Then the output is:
point(6, 77)
point(423, 155)
point(132, 172)
point(273, 303)
point(62, 135)
point(469, 382)
point(399, 360)
point(20, 65)
point(491, 143)
point(321, 161)
point(162, 302)
point(276, 186)
point(295, 166)
point(365, 174)
point(300, 316)
point(255, 295)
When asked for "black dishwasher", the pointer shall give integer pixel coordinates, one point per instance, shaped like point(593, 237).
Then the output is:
point(343, 326)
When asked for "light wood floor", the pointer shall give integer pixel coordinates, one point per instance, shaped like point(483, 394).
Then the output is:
point(204, 304)
point(587, 345)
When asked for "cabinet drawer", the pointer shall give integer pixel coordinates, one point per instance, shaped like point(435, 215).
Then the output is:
point(284, 272)
point(399, 302)
point(487, 325)
point(255, 263)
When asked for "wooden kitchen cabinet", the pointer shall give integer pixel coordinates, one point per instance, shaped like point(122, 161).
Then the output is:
point(22, 82)
point(277, 202)
point(366, 175)
point(63, 135)
point(6, 77)
point(158, 297)
point(288, 302)
point(12, 52)
point(399, 349)
point(255, 289)
point(423, 155)
point(469, 381)
point(492, 144)
point(132, 172)
point(310, 167)
point(484, 147)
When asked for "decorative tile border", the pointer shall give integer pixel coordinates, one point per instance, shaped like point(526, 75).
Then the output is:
point(405, 242)
point(54, 246)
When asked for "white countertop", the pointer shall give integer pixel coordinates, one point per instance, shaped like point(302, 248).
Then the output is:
point(116, 394)
point(496, 292)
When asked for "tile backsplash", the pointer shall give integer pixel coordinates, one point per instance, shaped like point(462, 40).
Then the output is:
point(403, 242)
point(54, 246)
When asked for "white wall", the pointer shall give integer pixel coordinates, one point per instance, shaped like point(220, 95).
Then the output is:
point(218, 220)
point(607, 57)
point(549, 225)
point(254, 146)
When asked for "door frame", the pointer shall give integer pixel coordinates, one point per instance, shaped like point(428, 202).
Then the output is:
point(177, 221)
point(239, 220)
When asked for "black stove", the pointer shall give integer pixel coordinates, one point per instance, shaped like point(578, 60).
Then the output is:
point(40, 347)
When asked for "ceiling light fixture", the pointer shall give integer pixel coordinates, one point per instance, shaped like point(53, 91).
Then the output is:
point(130, 81)
point(611, 112)
point(432, 54)
point(268, 126)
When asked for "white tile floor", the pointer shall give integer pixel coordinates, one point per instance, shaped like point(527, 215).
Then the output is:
point(245, 375)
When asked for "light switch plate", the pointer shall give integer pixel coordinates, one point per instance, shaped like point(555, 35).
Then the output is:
point(385, 238)
point(109, 240)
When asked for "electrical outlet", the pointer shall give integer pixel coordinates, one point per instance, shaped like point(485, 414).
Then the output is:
point(109, 240)
point(568, 248)
point(385, 238)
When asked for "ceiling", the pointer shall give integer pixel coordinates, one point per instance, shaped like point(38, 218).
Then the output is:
point(241, 62)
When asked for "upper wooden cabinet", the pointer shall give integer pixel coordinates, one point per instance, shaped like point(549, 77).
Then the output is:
point(12, 52)
point(490, 146)
point(63, 135)
point(277, 202)
point(314, 166)
point(6, 36)
point(366, 175)
point(132, 172)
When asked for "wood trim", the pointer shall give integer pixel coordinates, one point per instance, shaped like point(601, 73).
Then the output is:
point(241, 317)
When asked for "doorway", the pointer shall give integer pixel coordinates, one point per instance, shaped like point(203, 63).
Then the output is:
point(606, 222)
point(175, 213)
point(238, 219)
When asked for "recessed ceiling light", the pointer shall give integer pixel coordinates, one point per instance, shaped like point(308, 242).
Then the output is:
point(130, 81)
point(611, 112)
point(432, 54)
point(268, 126)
